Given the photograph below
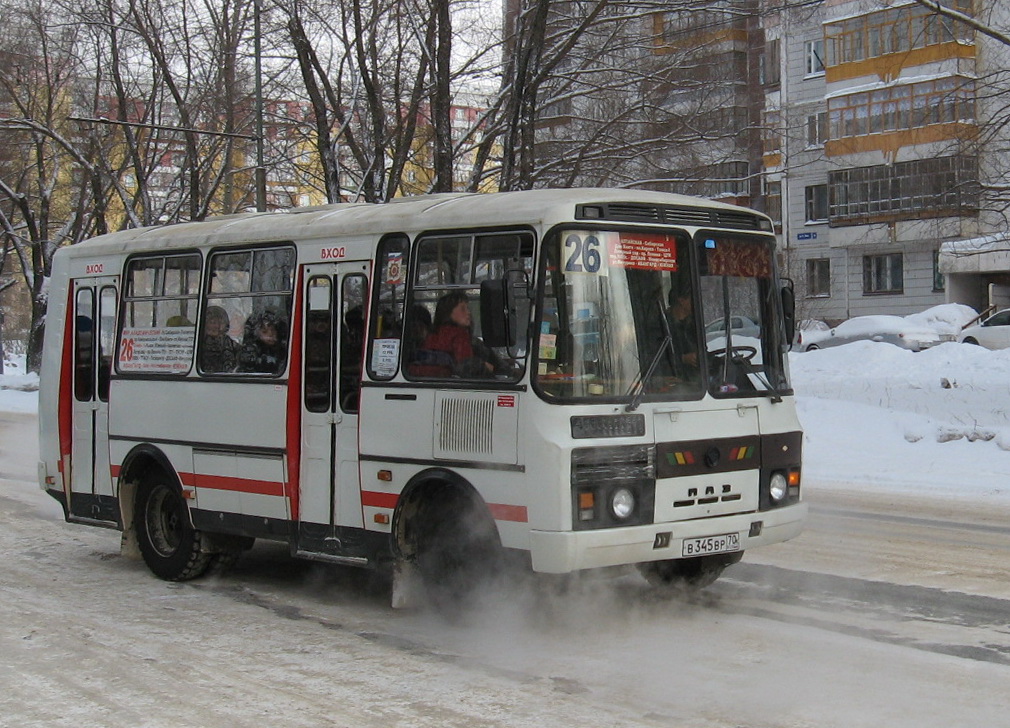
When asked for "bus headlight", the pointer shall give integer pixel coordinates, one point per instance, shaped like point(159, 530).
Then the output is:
point(622, 503)
point(778, 487)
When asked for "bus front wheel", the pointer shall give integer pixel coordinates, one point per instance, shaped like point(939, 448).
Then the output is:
point(458, 552)
point(695, 573)
point(172, 549)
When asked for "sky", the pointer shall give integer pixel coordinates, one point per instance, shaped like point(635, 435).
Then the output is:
point(875, 417)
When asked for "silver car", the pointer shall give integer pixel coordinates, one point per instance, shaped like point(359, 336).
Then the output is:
point(740, 326)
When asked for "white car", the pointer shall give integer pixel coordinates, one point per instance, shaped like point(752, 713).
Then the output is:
point(993, 333)
point(884, 328)
point(809, 333)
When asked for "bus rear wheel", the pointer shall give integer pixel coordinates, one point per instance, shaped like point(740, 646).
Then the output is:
point(172, 549)
point(695, 573)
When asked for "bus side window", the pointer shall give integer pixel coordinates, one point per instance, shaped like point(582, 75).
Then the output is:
point(444, 315)
point(387, 307)
point(84, 345)
point(106, 339)
point(352, 339)
point(319, 345)
point(253, 288)
point(160, 300)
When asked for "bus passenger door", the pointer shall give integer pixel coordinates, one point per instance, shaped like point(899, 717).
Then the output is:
point(333, 340)
point(91, 494)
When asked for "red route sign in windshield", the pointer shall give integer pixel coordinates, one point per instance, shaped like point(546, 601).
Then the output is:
point(643, 251)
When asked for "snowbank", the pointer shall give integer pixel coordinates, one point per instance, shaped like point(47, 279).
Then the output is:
point(19, 391)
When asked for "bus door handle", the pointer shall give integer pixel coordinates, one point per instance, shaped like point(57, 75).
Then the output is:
point(741, 409)
point(674, 412)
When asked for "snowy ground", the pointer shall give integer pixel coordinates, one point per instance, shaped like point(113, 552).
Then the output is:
point(91, 640)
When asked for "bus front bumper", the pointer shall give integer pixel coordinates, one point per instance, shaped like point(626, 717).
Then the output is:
point(561, 552)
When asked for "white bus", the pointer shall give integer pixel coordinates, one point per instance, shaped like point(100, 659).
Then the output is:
point(428, 384)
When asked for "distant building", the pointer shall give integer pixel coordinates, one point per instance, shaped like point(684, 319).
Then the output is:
point(867, 129)
point(883, 160)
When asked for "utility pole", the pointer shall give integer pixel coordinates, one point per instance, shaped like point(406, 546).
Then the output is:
point(261, 171)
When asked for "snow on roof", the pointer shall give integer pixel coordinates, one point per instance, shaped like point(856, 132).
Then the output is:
point(974, 246)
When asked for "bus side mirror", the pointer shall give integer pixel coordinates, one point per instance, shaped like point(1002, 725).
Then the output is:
point(505, 312)
point(789, 309)
point(494, 318)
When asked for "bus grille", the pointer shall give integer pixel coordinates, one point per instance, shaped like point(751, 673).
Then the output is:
point(674, 215)
point(466, 426)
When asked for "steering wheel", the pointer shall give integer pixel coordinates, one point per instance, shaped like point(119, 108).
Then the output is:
point(747, 353)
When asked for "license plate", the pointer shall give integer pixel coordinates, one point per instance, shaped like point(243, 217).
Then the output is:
point(722, 544)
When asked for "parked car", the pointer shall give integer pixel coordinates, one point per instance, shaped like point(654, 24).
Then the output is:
point(889, 329)
point(739, 326)
point(992, 333)
point(809, 333)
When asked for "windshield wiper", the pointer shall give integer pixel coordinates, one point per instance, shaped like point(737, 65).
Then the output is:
point(638, 386)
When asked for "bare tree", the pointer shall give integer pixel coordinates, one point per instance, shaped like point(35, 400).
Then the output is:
point(39, 210)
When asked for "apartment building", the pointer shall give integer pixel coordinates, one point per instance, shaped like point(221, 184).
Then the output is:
point(893, 163)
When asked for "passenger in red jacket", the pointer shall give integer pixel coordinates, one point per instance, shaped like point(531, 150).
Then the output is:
point(452, 335)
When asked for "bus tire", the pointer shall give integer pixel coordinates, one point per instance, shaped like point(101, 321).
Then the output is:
point(695, 573)
point(458, 551)
point(172, 549)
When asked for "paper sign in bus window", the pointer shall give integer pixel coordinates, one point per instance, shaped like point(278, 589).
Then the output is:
point(643, 251)
point(385, 354)
point(166, 350)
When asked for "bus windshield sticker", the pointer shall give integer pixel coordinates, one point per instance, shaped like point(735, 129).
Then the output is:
point(166, 350)
point(738, 258)
point(394, 269)
point(548, 346)
point(643, 251)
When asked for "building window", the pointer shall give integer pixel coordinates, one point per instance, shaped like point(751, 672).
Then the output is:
point(940, 187)
point(815, 57)
point(883, 273)
point(816, 197)
point(895, 30)
point(908, 106)
point(939, 279)
point(770, 64)
point(724, 179)
point(817, 129)
point(818, 278)
point(773, 201)
point(772, 131)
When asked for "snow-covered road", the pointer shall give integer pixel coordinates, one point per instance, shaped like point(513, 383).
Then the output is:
point(881, 613)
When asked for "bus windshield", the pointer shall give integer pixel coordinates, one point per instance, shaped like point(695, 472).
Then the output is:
point(631, 315)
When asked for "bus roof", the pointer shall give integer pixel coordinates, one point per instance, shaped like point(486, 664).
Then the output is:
point(404, 214)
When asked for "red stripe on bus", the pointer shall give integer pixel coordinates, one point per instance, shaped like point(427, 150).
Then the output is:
point(65, 406)
point(115, 470)
point(375, 499)
point(499, 511)
point(502, 512)
point(241, 485)
point(294, 403)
